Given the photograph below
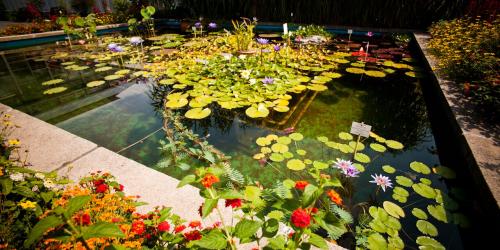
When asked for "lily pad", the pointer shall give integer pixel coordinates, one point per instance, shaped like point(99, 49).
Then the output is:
point(265, 150)
point(52, 82)
point(359, 167)
point(295, 164)
point(400, 198)
point(281, 109)
point(445, 172)
point(288, 155)
point(54, 90)
point(284, 140)
point(322, 138)
point(259, 156)
point(167, 81)
point(424, 190)
point(317, 87)
point(176, 103)
point(113, 77)
point(438, 212)
point(427, 228)
point(345, 136)
point(375, 73)
point(376, 241)
point(426, 181)
point(279, 148)
point(122, 72)
point(296, 136)
point(404, 181)
point(429, 243)
point(378, 147)
point(276, 157)
point(393, 209)
point(301, 152)
point(331, 74)
point(362, 158)
point(359, 145)
point(257, 112)
point(388, 169)
point(103, 69)
point(401, 191)
point(419, 213)
point(320, 165)
point(355, 70)
point(198, 113)
point(95, 83)
point(263, 141)
point(394, 144)
point(420, 167)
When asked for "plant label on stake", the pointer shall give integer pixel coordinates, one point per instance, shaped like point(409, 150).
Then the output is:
point(359, 129)
point(285, 28)
point(349, 31)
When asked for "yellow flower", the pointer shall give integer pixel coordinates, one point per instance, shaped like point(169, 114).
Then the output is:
point(27, 204)
point(13, 142)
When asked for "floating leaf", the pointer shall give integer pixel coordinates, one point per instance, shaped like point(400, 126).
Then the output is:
point(257, 112)
point(362, 158)
point(359, 167)
point(95, 83)
point(401, 191)
point(176, 103)
point(263, 141)
point(167, 81)
point(427, 228)
point(419, 213)
point(320, 165)
point(296, 136)
point(265, 150)
point(284, 140)
point(276, 157)
point(424, 190)
point(52, 82)
point(426, 181)
point(400, 198)
point(355, 70)
point(344, 148)
point(429, 243)
point(438, 212)
point(393, 209)
point(331, 74)
point(103, 69)
point(279, 148)
point(393, 223)
point(394, 144)
point(388, 169)
point(378, 147)
point(54, 90)
point(345, 136)
point(69, 63)
point(359, 145)
point(445, 172)
point(376, 241)
point(198, 113)
point(281, 109)
point(322, 138)
point(122, 72)
point(112, 77)
point(295, 164)
point(420, 167)
point(317, 87)
point(301, 152)
point(375, 73)
point(288, 155)
point(404, 181)
point(259, 156)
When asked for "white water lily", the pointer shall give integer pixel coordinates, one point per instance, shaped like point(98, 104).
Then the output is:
point(49, 184)
point(17, 177)
point(40, 176)
point(246, 73)
point(227, 56)
point(242, 57)
point(253, 81)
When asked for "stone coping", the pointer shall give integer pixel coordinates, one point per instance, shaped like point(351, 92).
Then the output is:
point(481, 138)
point(54, 33)
point(50, 148)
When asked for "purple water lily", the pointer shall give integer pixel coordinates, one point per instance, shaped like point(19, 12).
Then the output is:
point(111, 46)
point(262, 41)
point(136, 40)
point(115, 48)
point(277, 48)
point(197, 25)
point(212, 25)
point(267, 80)
point(255, 19)
point(347, 168)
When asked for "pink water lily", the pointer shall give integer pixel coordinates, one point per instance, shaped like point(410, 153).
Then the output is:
point(381, 181)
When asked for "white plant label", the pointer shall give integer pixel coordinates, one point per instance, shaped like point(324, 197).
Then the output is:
point(360, 129)
point(285, 28)
point(349, 31)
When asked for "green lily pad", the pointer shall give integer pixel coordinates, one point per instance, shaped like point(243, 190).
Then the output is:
point(113, 77)
point(344, 148)
point(404, 181)
point(424, 190)
point(276, 157)
point(167, 81)
point(301, 152)
point(284, 140)
point(378, 147)
point(426, 181)
point(438, 212)
point(400, 198)
point(54, 90)
point(317, 87)
point(288, 155)
point(360, 145)
point(359, 167)
point(257, 112)
point(419, 213)
point(427, 228)
point(378, 213)
point(429, 243)
point(263, 141)
point(345, 136)
point(103, 69)
point(395, 242)
point(355, 70)
point(322, 138)
point(378, 226)
point(95, 83)
point(176, 103)
point(331, 74)
point(377, 241)
point(445, 172)
point(198, 113)
point(375, 73)
point(69, 63)
point(393, 209)
point(393, 223)
point(420, 167)
point(332, 144)
point(281, 109)
point(362, 158)
point(52, 82)
point(279, 148)
point(320, 165)
point(295, 164)
point(388, 169)
point(122, 72)
point(296, 136)
point(401, 191)
point(394, 144)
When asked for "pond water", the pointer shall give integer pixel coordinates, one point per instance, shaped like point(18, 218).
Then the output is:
point(126, 117)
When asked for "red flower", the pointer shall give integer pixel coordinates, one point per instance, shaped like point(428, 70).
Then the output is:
point(116, 220)
point(101, 188)
point(234, 203)
point(147, 236)
point(300, 218)
point(138, 227)
point(193, 235)
point(82, 219)
point(300, 185)
point(164, 226)
point(195, 224)
point(119, 188)
point(179, 228)
point(209, 180)
point(98, 182)
point(335, 197)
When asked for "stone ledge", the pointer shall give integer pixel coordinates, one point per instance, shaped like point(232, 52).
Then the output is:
point(482, 138)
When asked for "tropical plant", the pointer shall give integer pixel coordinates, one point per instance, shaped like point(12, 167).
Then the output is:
point(242, 37)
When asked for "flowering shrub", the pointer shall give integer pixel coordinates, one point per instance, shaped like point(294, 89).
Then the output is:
point(467, 49)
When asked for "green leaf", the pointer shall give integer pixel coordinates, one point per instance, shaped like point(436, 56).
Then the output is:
point(388, 169)
point(317, 241)
point(363, 158)
point(6, 185)
point(378, 213)
point(295, 165)
point(345, 136)
point(40, 228)
point(404, 181)
point(445, 172)
point(429, 243)
point(377, 241)
point(311, 193)
point(320, 165)
point(276, 242)
point(424, 190)
point(277, 157)
point(393, 223)
point(296, 136)
point(427, 228)
point(213, 240)
point(208, 206)
point(438, 212)
point(188, 179)
point(103, 229)
point(246, 228)
point(401, 191)
point(275, 214)
point(393, 210)
point(75, 204)
point(231, 194)
point(378, 226)
point(270, 228)
point(47, 196)
point(394, 144)
point(24, 191)
point(252, 193)
point(395, 242)
point(419, 213)
point(420, 167)
point(378, 147)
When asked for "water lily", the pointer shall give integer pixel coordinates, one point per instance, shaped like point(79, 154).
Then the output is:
point(212, 25)
point(347, 168)
point(381, 181)
point(267, 80)
point(136, 40)
point(246, 73)
point(198, 25)
point(369, 34)
point(202, 61)
point(262, 41)
point(276, 48)
point(252, 81)
point(227, 56)
point(255, 19)
point(111, 46)
point(115, 47)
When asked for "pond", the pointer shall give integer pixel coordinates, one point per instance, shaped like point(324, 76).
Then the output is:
point(126, 115)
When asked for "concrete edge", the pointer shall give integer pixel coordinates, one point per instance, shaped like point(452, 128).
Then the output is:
point(481, 150)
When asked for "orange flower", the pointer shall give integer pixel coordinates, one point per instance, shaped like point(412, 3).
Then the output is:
point(334, 196)
point(209, 180)
point(300, 185)
point(195, 224)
